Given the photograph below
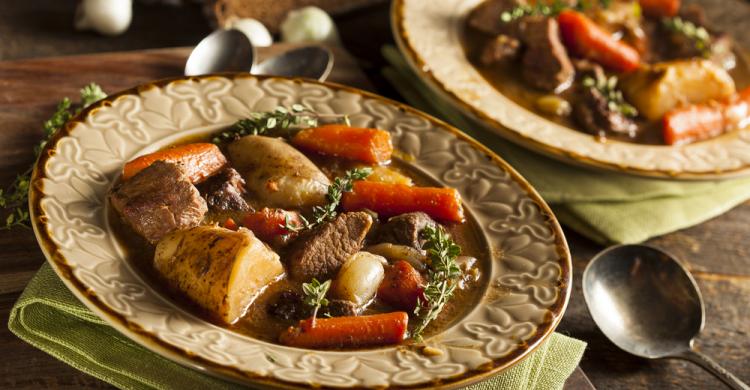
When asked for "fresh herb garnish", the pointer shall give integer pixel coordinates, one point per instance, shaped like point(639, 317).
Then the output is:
point(545, 9)
point(697, 34)
point(327, 212)
point(608, 88)
point(14, 198)
point(443, 276)
point(315, 296)
point(281, 121)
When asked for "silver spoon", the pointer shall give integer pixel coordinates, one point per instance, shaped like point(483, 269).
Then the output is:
point(231, 50)
point(649, 305)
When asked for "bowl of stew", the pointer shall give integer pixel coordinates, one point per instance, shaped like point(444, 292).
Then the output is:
point(657, 88)
point(292, 234)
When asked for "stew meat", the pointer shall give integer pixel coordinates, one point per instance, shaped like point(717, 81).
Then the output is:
point(271, 240)
point(649, 71)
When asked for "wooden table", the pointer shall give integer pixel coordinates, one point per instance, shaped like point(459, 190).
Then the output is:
point(717, 251)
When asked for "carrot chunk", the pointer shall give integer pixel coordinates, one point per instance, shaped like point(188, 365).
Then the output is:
point(585, 38)
point(692, 123)
point(230, 224)
point(372, 146)
point(348, 332)
point(698, 122)
point(268, 223)
point(388, 199)
point(402, 286)
point(199, 161)
point(660, 8)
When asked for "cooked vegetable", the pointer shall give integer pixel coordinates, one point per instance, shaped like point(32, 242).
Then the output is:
point(585, 38)
point(402, 286)
point(348, 332)
point(230, 224)
point(389, 175)
point(660, 88)
point(199, 161)
point(553, 105)
point(442, 278)
point(394, 252)
point(358, 279)
point(702, 121)
point(221, 270)
point(268, 223)
point(372, 146)
point(393, 199)
point(660, 8)
point(278, 174)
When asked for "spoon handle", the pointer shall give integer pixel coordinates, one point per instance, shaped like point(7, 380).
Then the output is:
point(714, 368)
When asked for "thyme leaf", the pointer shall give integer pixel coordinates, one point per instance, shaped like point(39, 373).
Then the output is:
point(327, 212)
point(14, 198)
point(608, 88)
point(281, 121)
point(315, 295)
point(697, 34)
point(443, 275)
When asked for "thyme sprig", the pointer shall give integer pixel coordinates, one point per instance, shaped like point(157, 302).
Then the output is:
point(315, 296)
point(542, 8)
point(608, 88)
point(281, 121)
point(697, 34)
point(327, 212)
point(443, 276)
point(14, 198)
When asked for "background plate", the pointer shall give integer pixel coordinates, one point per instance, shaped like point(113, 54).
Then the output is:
point(428, 33)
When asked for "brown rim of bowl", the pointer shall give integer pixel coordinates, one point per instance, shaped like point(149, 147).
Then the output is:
point(421, 69)
point(186, 358)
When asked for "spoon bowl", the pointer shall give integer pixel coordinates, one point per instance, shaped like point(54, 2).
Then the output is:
point(313, 62)
point(221, 51)
point(649, 305)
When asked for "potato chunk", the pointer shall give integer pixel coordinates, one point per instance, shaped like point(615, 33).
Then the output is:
point(658, 89)
point(221, 270)
point(279, 174)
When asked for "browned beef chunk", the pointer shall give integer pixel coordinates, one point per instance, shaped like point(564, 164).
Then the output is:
point(224, 191)
point(341, 308)
point(501, 49)
point(159, 200)
point(404, 229)
point(594, 115)
point(319, 253)
point(546, 64)
point(486, 17)
point(290, 305)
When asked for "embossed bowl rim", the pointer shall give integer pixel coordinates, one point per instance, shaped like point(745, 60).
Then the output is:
point(144, 338)
point(578, 147)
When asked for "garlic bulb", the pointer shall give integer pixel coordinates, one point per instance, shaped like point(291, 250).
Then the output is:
point(309, 24)
point(108, 17)
point(255, 30)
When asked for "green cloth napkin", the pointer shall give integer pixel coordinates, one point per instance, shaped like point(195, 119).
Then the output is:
point(49, 317)
point(604, 206)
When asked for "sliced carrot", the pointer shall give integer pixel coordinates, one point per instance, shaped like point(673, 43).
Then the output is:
point(347, 332)
point(660, 8)
point(585, 38)
point(402, 286)
point(698, 122)
point(268, 223)
point(372, 146)
point(198, 160)
point(230, 224)
point(388, 199)
point(692, 123)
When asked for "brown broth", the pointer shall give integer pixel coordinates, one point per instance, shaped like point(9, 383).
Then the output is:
point(258, 323)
